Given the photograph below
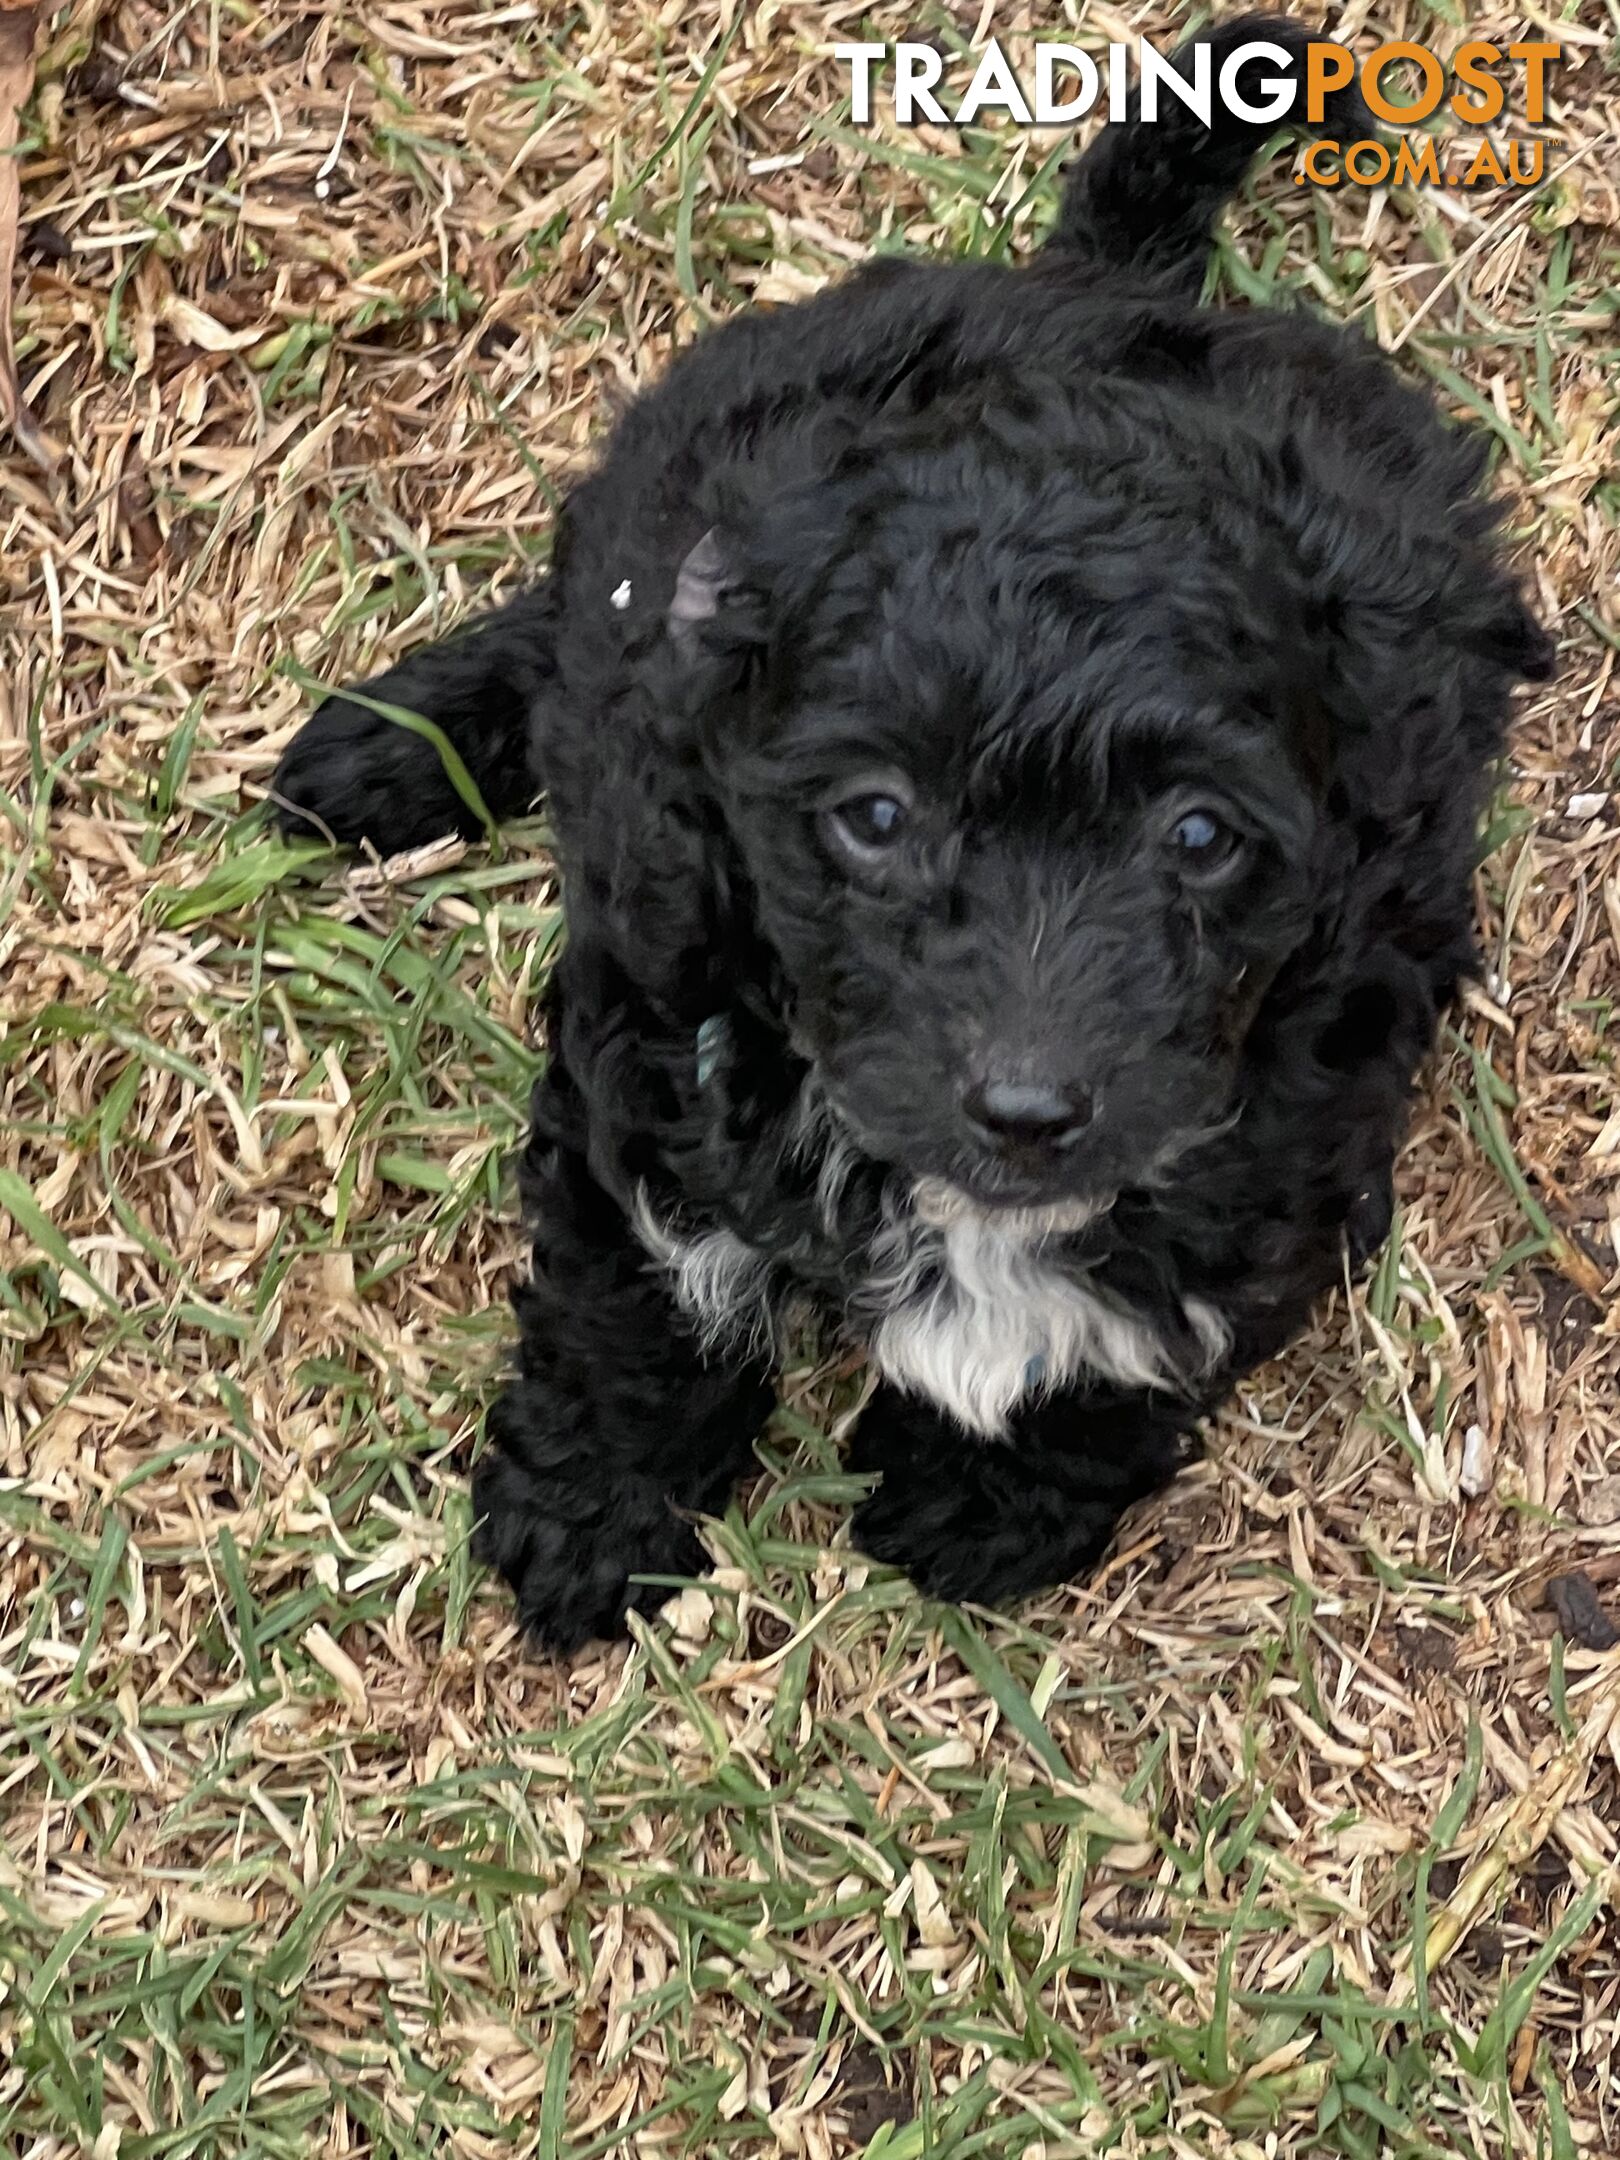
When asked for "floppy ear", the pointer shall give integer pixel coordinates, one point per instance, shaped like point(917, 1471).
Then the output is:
point(700, 584)
point(716, 619)
point(661, 880)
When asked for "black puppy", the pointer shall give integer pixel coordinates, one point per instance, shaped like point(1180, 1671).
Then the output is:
point(1014, 740)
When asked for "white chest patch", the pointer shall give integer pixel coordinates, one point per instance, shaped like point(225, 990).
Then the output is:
point(971, 1309)
point(978, 1316)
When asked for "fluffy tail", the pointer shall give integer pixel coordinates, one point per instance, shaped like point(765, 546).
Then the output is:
point(1145, 195)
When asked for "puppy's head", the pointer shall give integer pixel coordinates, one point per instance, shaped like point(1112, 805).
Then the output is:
point(1041, 774)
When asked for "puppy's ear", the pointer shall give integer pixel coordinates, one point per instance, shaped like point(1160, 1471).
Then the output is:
point(700, 584)
point(714, 616)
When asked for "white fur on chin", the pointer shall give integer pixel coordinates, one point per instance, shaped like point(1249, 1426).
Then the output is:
point(974, 1313)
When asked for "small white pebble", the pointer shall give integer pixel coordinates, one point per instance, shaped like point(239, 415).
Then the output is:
point(1585, 806)
point(76, 1607)
point(620, 595)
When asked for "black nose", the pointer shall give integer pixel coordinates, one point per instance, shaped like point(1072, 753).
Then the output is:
point(1023, 1114)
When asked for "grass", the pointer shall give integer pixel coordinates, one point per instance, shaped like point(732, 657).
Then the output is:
point(1292, 1833)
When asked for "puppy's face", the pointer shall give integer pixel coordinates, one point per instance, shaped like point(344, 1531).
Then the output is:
point(1022, 964)
point(1029, 859)
point(1028, 999)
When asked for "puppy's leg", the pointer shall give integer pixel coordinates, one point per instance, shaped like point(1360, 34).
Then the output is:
point(992, 1521)
point(617, 1425)
point(356, 775)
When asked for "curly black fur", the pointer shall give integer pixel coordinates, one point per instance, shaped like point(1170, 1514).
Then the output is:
point(1015, 741)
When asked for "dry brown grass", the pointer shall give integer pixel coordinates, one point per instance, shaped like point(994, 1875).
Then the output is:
point(303, 1854)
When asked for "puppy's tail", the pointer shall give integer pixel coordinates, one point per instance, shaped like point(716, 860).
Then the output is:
point(1145, 195)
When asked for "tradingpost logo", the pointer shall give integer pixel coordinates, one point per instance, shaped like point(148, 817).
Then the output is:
point(1065, 82)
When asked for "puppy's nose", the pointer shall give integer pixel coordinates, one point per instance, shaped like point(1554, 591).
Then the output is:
point(1027, 1114)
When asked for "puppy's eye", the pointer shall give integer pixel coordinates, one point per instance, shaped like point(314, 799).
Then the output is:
point(1203, 842)
point(873, 820)
point(1197, 831)
point(867, 824)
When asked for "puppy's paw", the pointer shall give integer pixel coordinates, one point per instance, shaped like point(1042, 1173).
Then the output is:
point(569, 1546)
point(939, 1555)
point(960, 1526)
point(972, 1521)
point(351, 775)
point(965, 1549)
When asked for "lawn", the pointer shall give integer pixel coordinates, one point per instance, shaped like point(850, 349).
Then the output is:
point(1292, 1834)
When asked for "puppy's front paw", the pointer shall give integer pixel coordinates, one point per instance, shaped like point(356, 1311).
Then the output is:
point(969, 1520)
point(943, 1513)
point(958, 1547)
point(570, 1545)
point(351, 775)
point(938, 1555)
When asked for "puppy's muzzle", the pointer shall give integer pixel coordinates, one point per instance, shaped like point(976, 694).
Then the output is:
point(1027, 1118)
